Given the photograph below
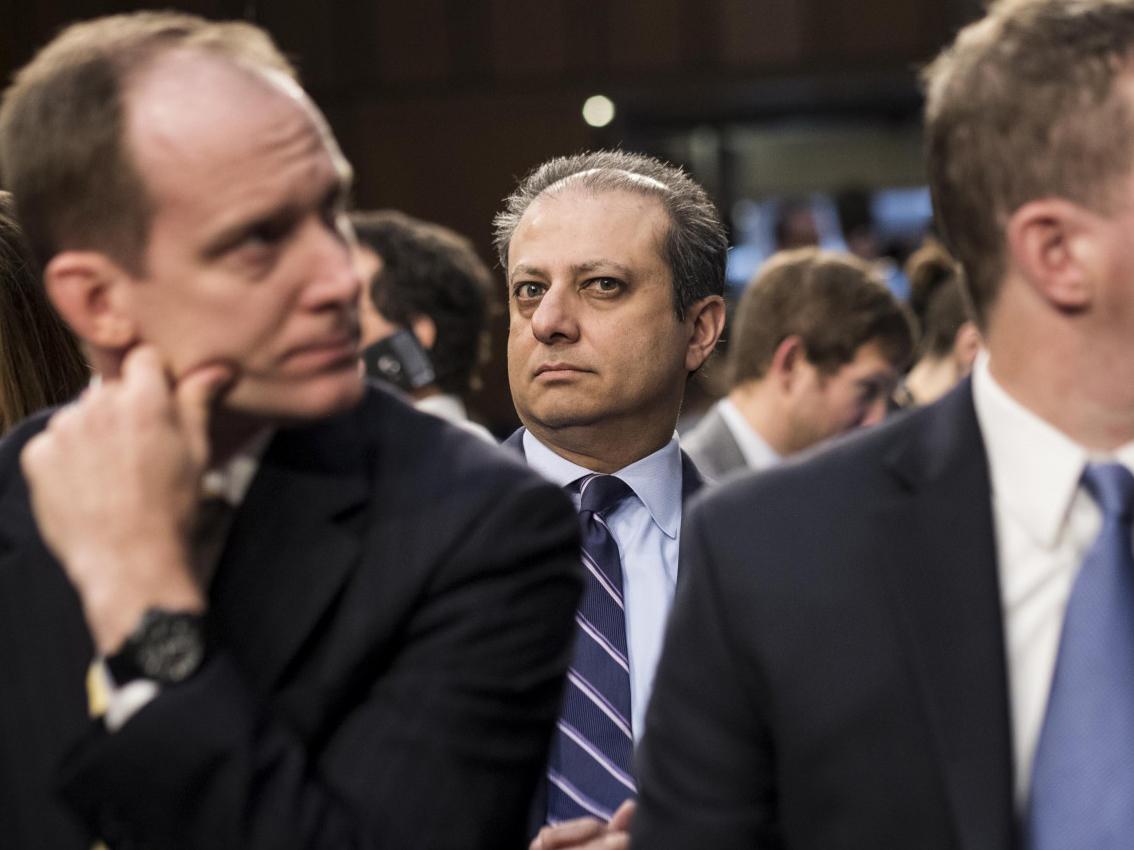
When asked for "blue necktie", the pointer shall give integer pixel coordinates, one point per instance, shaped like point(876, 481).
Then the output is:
point(589, 772)
point(1082, 795)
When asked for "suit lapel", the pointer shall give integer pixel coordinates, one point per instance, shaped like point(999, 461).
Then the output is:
point(726, 453)
point(691, 480)
point(293, 543)
point(942, 568)
point(515, 443)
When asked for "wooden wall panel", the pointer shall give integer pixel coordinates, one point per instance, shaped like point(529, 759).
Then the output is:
point(527, 38)
point(769, 34)
point(411, 41)
point(645, 36)
point(880, 30)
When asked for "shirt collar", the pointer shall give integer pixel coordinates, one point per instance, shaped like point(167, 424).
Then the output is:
point(655, 479)
point(1035, 468)
point(757, 453)
point(444, 405)
point(231, 480)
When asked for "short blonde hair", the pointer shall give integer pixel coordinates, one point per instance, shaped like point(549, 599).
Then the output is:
point(62, 152)
point(1024, 105)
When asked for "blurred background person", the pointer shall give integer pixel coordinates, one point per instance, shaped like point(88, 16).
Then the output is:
point(949, 339)
point(41, 363)
point(425, 306)
point(816, 348)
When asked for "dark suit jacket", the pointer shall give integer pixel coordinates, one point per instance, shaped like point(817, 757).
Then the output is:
point(691, 484)
point(392, 614)
point(834, 673)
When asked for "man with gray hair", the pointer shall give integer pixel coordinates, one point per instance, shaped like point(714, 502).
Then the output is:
point(615, 274)
point(924, 637)
point(317, 618)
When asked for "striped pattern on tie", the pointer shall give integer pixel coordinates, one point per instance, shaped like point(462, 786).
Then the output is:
point(589, 772)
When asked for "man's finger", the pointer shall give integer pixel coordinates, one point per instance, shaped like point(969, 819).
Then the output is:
point(614, 841)
point(622, 818)
point(569, 833)
point(195, 394)
point(142, 367)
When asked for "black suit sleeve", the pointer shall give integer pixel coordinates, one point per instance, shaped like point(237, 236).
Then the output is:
point(705, 764)
point(440, 750)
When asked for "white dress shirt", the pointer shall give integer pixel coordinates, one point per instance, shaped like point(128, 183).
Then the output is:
point(450, 408)
point(757, 453)
point(647, 529)
point(1045, 522)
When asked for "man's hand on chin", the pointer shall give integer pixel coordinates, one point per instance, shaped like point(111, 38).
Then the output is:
point(588, 833)
point(114, 482)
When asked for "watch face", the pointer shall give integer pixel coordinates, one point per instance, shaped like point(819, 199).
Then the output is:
point(172, 648)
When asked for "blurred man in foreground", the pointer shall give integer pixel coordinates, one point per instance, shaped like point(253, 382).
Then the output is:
point(923, 637)
point(318, 618)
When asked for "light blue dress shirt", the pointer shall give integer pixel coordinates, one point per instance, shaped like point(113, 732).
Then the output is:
point(647, 530)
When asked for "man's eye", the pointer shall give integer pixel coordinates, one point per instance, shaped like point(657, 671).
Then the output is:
point(268, 234)
point(528, 291)
point(604, 284)
point(870, 393)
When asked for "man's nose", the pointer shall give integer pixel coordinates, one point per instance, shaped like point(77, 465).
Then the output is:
point(556, 316)
point(337, 280)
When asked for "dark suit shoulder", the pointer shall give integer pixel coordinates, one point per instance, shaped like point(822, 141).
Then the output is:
point(428, 458)
point(15, 511)
point(781, 539)
point(834, 477)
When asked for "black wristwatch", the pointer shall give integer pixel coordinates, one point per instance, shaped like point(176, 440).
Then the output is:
point(167, 647)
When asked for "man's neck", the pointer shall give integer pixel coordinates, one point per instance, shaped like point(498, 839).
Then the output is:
point(759, 406)
point(229, 432)
point(604, 449)
point(931, 378)
point(1079, 380)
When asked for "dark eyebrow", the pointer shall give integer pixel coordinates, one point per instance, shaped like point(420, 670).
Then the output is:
point(577, 269)
point(602, 265)
point(527, 271)
point(231, 236)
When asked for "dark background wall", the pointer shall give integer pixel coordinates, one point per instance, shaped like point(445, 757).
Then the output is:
point(441, 104)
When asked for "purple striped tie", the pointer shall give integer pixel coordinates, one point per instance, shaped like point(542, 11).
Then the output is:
point(589, 772)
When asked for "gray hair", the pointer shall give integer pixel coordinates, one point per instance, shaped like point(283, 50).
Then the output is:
point(695, 247)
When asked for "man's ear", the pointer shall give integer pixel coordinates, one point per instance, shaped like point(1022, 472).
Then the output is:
point(86, 288)
point(966, 346)
point(425, 329)
point(705, 319)
point(1054, 244)
point(787, 359)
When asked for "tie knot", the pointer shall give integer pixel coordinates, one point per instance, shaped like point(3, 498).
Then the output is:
point(600, 493)
point(1112, 487)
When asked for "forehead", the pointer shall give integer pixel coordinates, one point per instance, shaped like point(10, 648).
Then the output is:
point(579, 225)
point(204, 131)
